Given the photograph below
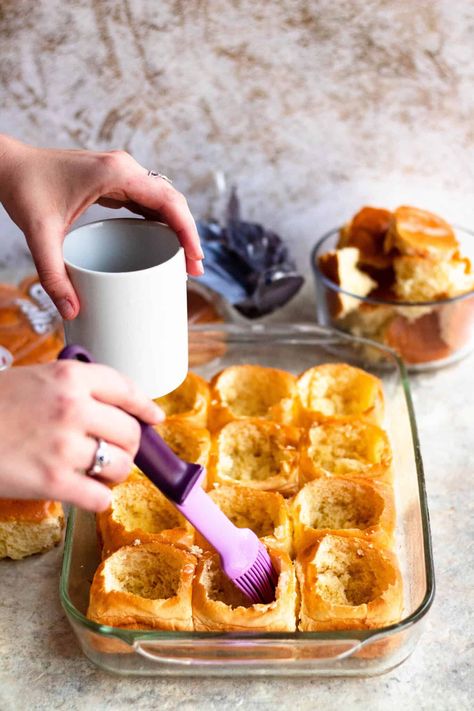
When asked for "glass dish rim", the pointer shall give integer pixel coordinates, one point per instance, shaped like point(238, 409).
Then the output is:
point(306, 332)
point(374, 300)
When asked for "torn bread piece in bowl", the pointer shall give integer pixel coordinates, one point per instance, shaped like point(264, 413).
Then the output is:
point(334, 390)
point(258, 454)
point(218, 605)
point(144, 587)
point(140, 513)
point(189, 402)
point(348, 583)
point(242, 391)
point(346, 507)
point(346, 447)
point(266, 513)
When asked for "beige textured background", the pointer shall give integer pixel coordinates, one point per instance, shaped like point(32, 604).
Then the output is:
point(311, 107)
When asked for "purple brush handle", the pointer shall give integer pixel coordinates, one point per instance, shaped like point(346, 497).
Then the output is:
point(174, 477)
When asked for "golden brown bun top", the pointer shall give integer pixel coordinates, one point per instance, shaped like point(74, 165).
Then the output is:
point(367, 231)
point(23, 510)
point(419, 232)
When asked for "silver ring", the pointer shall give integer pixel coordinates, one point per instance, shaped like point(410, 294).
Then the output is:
point(154, 174)
point(101, 458)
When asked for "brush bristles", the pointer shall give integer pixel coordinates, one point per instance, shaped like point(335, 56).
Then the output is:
point(259, 582)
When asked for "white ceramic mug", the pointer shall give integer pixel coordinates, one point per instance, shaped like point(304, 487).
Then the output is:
point(130, 277)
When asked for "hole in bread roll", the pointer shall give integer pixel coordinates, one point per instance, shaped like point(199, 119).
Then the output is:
point(252, 452)
point(139, 505)
point(220, 588)
point(332, 503)
point(250, 391)
point(338, 389)
point(349, 572)
point(347, 447)
point(153, 575)
point(246, 508)
point(189, 443)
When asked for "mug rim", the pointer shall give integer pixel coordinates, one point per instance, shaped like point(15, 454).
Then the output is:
point(107, 274)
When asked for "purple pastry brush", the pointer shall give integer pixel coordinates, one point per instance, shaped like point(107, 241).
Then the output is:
point(244, 558)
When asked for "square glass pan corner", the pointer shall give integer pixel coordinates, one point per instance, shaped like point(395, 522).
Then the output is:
point(348, 653)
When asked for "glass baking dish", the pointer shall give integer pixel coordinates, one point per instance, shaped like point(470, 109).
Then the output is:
point(347, 653)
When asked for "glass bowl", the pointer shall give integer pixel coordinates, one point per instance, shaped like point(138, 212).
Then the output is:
point(426, 334)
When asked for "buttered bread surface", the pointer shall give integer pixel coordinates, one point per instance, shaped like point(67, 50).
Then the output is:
point(304, 462)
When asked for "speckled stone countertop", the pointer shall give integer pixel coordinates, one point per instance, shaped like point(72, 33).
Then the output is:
point(42, 666)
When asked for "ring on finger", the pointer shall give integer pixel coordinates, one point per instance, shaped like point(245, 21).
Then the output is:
point(101, 458)
point(155, 174)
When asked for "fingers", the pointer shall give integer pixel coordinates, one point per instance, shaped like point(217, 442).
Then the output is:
point(113, 388)
point(45, 242)
point(84, 491)
point(76, 381)
point(154, 194)
point(82, 451)
point(112, 425)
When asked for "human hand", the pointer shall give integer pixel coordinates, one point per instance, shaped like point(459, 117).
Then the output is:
point(50, 419)
point(45, 190)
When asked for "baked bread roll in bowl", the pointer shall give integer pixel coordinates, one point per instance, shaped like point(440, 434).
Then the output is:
point(344, 507)
point(347, 447)
point(28, 527)
point(367, 231)
point(242, 391)
point(340, 390)
point(420, 233)
point(265, 513)
point(347, 583)
point(219, 606)
point(257, 454)
point(144, 587)
point(189, 402)
point(140, 512)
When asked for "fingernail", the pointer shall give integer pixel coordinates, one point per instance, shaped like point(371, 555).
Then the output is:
point(200, 267)
point(66, 308)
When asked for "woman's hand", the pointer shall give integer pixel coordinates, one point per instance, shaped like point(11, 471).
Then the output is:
point(45, 190)
point(50, 419)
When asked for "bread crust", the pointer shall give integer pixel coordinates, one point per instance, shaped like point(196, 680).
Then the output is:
point(318, 612)
point(273, 395)
point(420, 233)
point(211, 615)
point(369, 504)
point(367, 232)
point(112, 604)
point(23, 510)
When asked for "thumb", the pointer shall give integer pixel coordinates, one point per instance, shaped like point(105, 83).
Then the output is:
point(45, 243)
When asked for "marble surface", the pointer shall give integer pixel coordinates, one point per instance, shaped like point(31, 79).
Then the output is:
point(312, 107)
